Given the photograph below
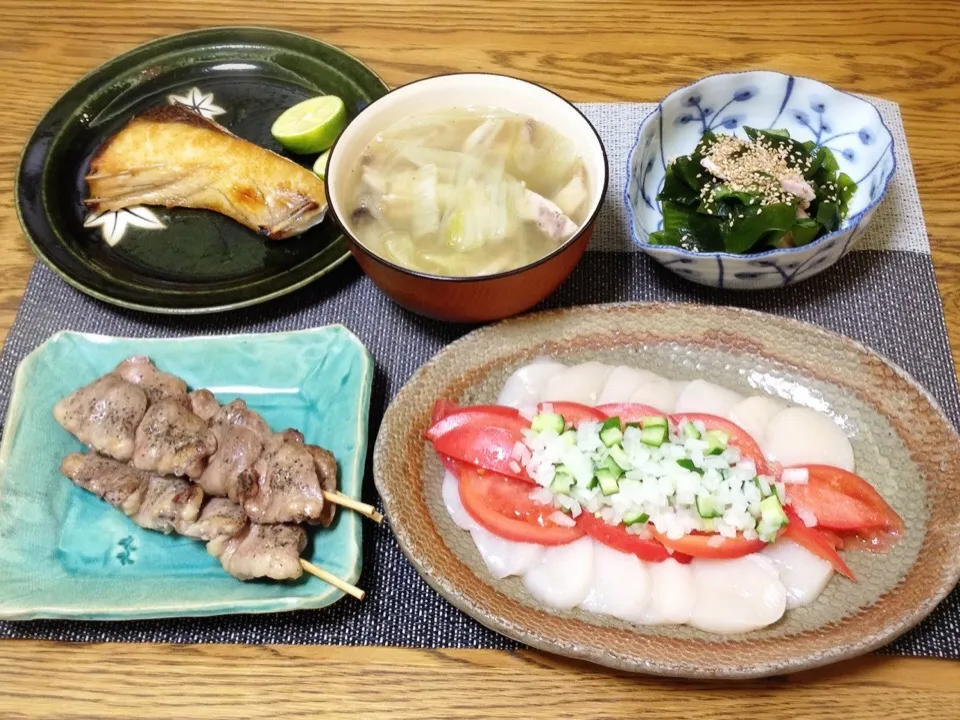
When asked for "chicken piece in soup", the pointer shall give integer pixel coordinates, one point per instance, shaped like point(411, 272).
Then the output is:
point(468, 192)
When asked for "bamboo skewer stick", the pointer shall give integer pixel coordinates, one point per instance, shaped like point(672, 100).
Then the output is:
point(332, 579)
point(338, 498)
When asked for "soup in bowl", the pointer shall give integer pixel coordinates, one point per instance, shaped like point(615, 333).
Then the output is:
point(468, 197)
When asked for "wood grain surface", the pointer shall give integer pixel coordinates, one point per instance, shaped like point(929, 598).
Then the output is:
point(617, 50)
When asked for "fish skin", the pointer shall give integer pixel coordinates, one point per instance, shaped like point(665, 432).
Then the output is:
point(173, 157)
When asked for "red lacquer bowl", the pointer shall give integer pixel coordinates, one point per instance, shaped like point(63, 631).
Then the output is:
point(479, 298)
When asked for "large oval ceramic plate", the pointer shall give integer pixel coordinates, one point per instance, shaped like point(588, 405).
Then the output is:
point(198, 261)
point(902, 442)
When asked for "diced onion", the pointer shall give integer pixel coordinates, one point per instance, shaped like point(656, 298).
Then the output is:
point(562, 519)
point(543, 496)
point(795, 476)
point(808, 518)
point(716, 541)
point(518, 449)
point(528, 412)
point(781, 492)
point(656, 482)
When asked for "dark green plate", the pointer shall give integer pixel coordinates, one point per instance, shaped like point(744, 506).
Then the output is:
point(199, 261)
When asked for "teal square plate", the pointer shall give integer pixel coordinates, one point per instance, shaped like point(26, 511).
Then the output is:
point(66, 554)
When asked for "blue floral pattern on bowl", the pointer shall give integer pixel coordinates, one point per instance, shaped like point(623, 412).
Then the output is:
point(850, 126)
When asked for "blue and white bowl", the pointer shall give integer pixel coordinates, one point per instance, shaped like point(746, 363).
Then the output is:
point(851, 127)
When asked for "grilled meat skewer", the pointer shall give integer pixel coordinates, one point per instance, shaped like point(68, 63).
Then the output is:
point(276, 477)
point(139, 370)
point(246, 550)
point(172, 440)
point(104, 415)
point(229, 451)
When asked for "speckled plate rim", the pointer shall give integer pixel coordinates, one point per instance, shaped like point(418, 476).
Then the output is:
point(430, 569)
point(352, 486)
point(340, 242)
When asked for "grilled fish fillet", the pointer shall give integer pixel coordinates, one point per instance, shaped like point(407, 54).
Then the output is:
point(173, 157)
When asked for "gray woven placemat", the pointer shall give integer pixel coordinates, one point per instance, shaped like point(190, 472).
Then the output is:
point(854, 298)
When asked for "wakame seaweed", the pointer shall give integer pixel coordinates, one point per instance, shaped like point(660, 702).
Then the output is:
point(747, 207)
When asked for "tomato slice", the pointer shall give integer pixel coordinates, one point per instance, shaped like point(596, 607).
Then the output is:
point(486, 447)
point(630, 412)
point(843, 501)
point(878, 540)
point(448, 416)
point(835, 540)
point(442, 408)
point(574, 413)
point(503, 506)
point(816, 542)
point(617, 537)
point(739, 438)
point(453, 466)
point(706, 545)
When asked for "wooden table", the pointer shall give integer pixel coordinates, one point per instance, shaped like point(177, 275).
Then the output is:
point(615, 51)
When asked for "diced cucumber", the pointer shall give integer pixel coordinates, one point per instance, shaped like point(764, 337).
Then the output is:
point(569, 437)
point(759, 484)
point(548, 421)
point(610, 432)
point(611, 466)
point(654, 421)
point(687, 464)
point(772, 511)
point(690, 431)
point(772, 518)
point(709, 507)
point(562, 483)
point(654, 436)
point(632, 518)
point(619, 456)
point(609, 482)
point(717, 441)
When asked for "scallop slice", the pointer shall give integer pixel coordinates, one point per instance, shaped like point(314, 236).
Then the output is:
point(621, 585)
point(802, 573)
point(580, 384)
point(737, 595)
point(621, 384)
point(679, 386)
point(754, 415)
point(450, 490)
point(701, 396)
point(658, 392)
point(801, 436)
point(672, 594)
point(525, 386)
point(505, 557)
point(564, 575)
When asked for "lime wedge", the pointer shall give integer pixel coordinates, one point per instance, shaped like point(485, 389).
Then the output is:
point(312, 125)
point(320, 166)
